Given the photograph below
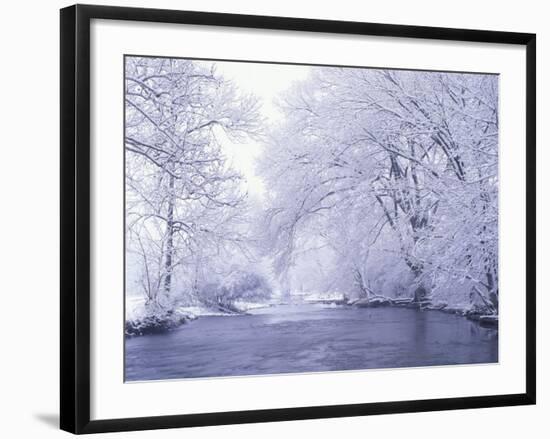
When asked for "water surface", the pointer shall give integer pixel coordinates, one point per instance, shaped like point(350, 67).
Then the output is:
point(309, 338)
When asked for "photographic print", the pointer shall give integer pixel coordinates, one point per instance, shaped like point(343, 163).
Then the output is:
point(284, 218)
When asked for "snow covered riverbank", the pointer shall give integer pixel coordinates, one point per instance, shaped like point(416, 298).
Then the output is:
point(143, 320)
point(477, 313)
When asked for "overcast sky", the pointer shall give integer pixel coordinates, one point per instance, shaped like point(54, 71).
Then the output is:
point(266, 81)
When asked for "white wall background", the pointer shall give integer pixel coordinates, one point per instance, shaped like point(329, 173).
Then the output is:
point(29, 206)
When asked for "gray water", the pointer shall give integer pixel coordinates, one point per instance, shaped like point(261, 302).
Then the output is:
point(309, 338)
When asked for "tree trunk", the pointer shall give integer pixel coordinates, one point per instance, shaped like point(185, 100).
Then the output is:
point(170, 239)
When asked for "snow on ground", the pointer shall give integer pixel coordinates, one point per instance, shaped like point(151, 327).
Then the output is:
point(135, 308)
point(199, 311)
point(315, 296)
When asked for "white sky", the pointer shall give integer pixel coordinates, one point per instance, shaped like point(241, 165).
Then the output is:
point(266, 81)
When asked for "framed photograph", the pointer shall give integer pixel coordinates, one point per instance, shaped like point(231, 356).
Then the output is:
point(268, 218)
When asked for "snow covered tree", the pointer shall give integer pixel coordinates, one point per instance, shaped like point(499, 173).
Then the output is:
point(184, 203)
point(365, 152)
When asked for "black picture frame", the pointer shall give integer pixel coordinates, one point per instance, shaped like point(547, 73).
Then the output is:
point(75, 217)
